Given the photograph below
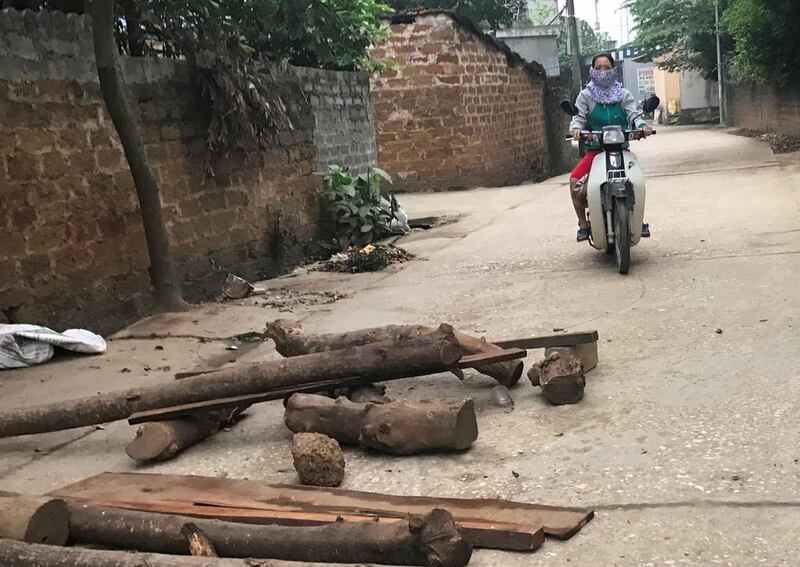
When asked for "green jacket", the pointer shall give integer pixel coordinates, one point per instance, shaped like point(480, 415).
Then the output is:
point(594, 116)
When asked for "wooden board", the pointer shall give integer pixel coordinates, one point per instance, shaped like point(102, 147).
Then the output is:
point(545, 341)
point(183, 410)
point(156, 489)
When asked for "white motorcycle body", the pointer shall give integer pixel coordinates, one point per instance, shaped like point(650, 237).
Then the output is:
point(601, 174)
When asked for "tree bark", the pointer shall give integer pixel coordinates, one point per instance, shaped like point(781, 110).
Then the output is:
point(16, 554)
point(430, 540)
point(400, 427)
point(166, 289)
point(133, 25)
point(33, 519)
point(290, 340)
point(412, 357)
point(199, 543)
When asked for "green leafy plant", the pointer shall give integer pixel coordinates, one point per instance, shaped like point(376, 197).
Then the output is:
point(360, 212)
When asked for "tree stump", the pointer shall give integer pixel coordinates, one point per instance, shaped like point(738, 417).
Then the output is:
point(560, 376)
point(33, 519)
point(318, 459)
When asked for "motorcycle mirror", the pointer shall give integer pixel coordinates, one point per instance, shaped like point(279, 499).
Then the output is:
point(651, 104)
point(568, 108)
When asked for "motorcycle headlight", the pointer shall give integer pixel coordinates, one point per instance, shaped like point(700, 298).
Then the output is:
point(611, 137)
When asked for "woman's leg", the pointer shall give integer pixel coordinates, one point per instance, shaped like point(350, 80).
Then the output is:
point(578, 202)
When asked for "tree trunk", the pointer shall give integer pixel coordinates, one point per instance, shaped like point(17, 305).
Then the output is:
point(166, 290)
point(413, 357)
point(133, 25)
point(399, 427)
point(416, 541)
point(16, 554)
point(33, 519)
point(290, 340)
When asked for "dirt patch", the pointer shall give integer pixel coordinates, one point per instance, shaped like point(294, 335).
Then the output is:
point(779, 143)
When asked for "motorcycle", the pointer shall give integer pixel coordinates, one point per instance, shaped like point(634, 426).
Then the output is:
point(615, 189)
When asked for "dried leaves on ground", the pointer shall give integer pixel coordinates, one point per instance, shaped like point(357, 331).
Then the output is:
point(371, 258)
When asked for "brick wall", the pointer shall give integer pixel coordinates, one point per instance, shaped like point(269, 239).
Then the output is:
point(72, 250)
point(344, 133)
point(765, 108)
point(456, 113)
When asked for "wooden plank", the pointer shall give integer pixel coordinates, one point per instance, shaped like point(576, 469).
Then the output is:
point(509, 537)
point(485, 358)
point(229, 493)
point(545, 341)
point(183, 410)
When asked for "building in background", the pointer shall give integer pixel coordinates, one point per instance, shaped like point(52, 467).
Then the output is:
point(534, 43)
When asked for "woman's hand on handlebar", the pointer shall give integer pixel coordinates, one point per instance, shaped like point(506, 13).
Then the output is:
point(576, 134)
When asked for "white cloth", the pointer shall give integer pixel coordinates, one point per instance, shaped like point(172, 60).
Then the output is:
point(28, 345)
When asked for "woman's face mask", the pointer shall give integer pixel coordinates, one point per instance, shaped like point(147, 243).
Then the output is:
point(603, 79)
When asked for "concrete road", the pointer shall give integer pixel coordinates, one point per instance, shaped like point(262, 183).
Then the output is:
point(686, 443)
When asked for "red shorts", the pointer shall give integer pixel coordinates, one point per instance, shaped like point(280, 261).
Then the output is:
point(585, 165)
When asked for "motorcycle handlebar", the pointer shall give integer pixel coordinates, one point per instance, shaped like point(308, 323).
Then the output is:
point(595, 134)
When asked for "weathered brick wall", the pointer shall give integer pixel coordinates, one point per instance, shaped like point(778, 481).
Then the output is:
point(343, 133)
point(72, 251)
point(765, 108)
point(455, 114)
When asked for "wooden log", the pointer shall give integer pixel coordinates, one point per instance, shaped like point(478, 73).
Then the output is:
point(399, 427)
point(489, 535)
point(560, 376)
point(586, 352)
point(418, 356)
point(432, 539)
point(33, 519)
point(290, 340)
point(197, 540)
point(471, 361)
point(162, 440)
point(17, 554)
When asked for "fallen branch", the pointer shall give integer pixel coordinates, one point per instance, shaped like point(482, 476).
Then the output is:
point(471, 361)
point(380, 361)
point(430, 540)
point(33, 519)
point(400, 427)
point(290, 340)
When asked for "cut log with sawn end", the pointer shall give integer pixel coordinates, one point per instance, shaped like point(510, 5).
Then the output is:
point(400, 427)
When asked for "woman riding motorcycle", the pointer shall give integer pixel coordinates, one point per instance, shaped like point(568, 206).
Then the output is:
point(604, 102)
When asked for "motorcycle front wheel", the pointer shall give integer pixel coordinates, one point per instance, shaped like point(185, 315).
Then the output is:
point(622, 236)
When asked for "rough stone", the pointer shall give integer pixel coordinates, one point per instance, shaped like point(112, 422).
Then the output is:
point(318, 459)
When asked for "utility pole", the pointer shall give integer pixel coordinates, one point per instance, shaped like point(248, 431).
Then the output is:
point(596, 17)
point(573, 42)
point(722, 117)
